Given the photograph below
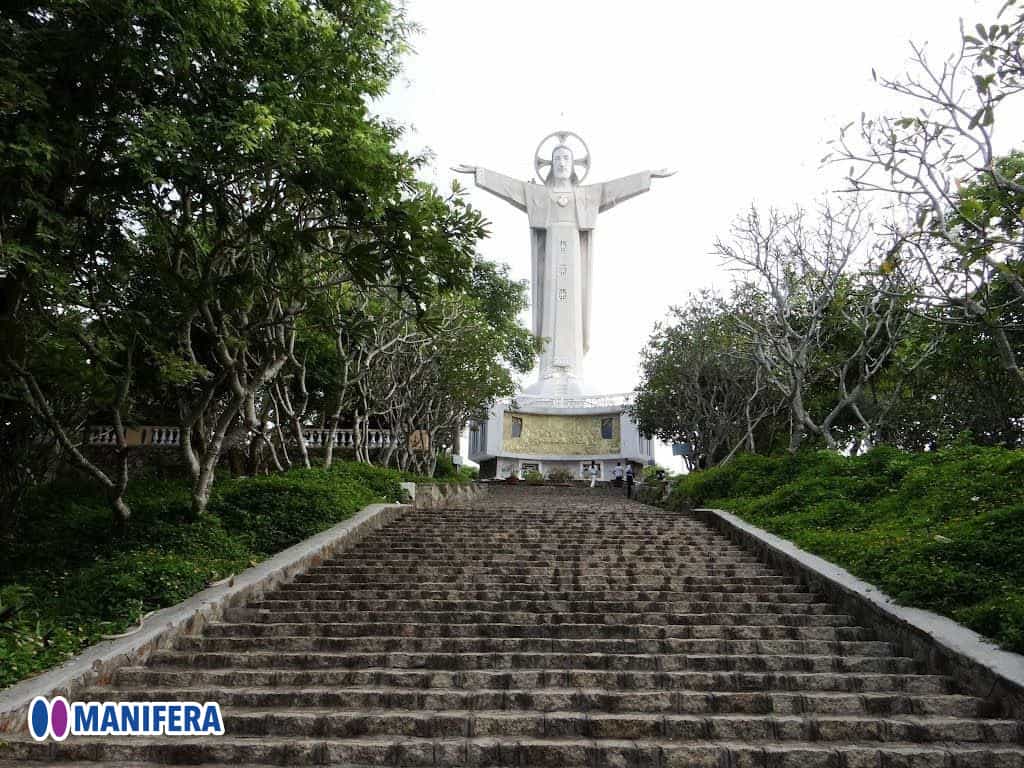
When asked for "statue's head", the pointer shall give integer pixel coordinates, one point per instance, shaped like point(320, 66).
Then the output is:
point(562, 166)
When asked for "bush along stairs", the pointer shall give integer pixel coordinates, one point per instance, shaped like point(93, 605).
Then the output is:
point(534, 628)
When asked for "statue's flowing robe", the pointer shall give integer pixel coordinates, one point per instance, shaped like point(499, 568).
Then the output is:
point(562, 250)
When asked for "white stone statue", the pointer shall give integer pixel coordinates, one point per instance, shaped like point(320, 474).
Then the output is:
point(562, 215)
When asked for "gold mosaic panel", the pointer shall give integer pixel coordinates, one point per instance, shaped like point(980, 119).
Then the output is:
point(559, 435)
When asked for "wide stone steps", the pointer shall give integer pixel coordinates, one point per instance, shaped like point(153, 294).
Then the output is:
point(610, 578)
point(560, 631)
point(245, 643)
point(487, 752)
point(553, 590)
point(481, 547)
point(473, 530)
point(608, 583)
point(563, 607)
point(442, 724)
point(461, 596)
point(611, 681)
point(451, 556)
point(591, 700)
point(534, 660)
point(553, 618)
point(533, 629)
point(525, 592)
point(720, 584)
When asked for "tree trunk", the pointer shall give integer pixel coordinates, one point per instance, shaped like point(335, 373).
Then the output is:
point(202, 478)
point(386, 455)
point(332, 429)
point(797, 420)
point(297, 429)
point(115, 488)
point(297, 412)
point(796, 434)
point(357, 436)
point(201, 490)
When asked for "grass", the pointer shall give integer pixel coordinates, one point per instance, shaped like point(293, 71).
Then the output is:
point(66, 579)
point(941, 530)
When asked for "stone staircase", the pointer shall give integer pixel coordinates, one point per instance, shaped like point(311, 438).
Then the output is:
point(549, 629)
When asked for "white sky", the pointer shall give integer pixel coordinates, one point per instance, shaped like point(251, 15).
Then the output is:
point(739, 97)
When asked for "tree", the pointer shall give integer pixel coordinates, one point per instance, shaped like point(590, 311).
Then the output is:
point(179, 181)
point(936, 166)
point(427, 373)
point(809, 317)
point(699, 386)
point(946, 380)
point(72, 76)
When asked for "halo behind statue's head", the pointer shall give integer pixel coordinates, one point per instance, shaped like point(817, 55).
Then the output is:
point(565, 140)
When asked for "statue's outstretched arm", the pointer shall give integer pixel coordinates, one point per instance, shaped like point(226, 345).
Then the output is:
point(619, 190)
point(508, 189)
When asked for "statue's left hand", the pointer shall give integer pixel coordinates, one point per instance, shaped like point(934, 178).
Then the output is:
point(463, 168)
point(662, 173)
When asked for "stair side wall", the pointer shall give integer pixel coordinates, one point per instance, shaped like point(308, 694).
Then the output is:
point(942, 645)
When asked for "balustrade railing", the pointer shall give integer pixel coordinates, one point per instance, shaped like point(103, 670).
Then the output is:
point(102, 436)
point(171, 436)
point(164, 436)
point(158, 436)
point(345, 438)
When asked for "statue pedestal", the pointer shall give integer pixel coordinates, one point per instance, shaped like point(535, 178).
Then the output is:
point(558, 432)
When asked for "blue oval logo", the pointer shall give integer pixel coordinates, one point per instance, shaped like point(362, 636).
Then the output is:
point(39, 718)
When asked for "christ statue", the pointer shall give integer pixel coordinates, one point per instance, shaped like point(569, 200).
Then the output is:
point(562, 214)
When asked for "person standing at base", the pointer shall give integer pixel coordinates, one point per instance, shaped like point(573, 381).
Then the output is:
point(629, 482)
point(593, 474)
point(617, 475)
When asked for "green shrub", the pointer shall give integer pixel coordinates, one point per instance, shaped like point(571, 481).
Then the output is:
point(654, 472)
point(273, 512)
point(652, 491)
point(942, 530)
point(382, 482)
point(560, 476)
point(444, 468)
point(533, 478)
point(66, 580)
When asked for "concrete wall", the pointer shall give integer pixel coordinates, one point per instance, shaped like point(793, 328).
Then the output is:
point(433, 495)
point(505, 466)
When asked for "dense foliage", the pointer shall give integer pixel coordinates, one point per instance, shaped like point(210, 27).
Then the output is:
point(941, 530)
point(704, 384)
point(829, 338)
point(65, 581)
point(204, 225)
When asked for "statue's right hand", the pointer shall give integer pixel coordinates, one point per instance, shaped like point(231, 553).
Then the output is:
point(463, 168)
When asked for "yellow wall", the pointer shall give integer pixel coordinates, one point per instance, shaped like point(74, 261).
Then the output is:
point(557, 435)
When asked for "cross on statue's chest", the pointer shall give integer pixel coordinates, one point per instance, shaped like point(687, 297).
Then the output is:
point(562, 208)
